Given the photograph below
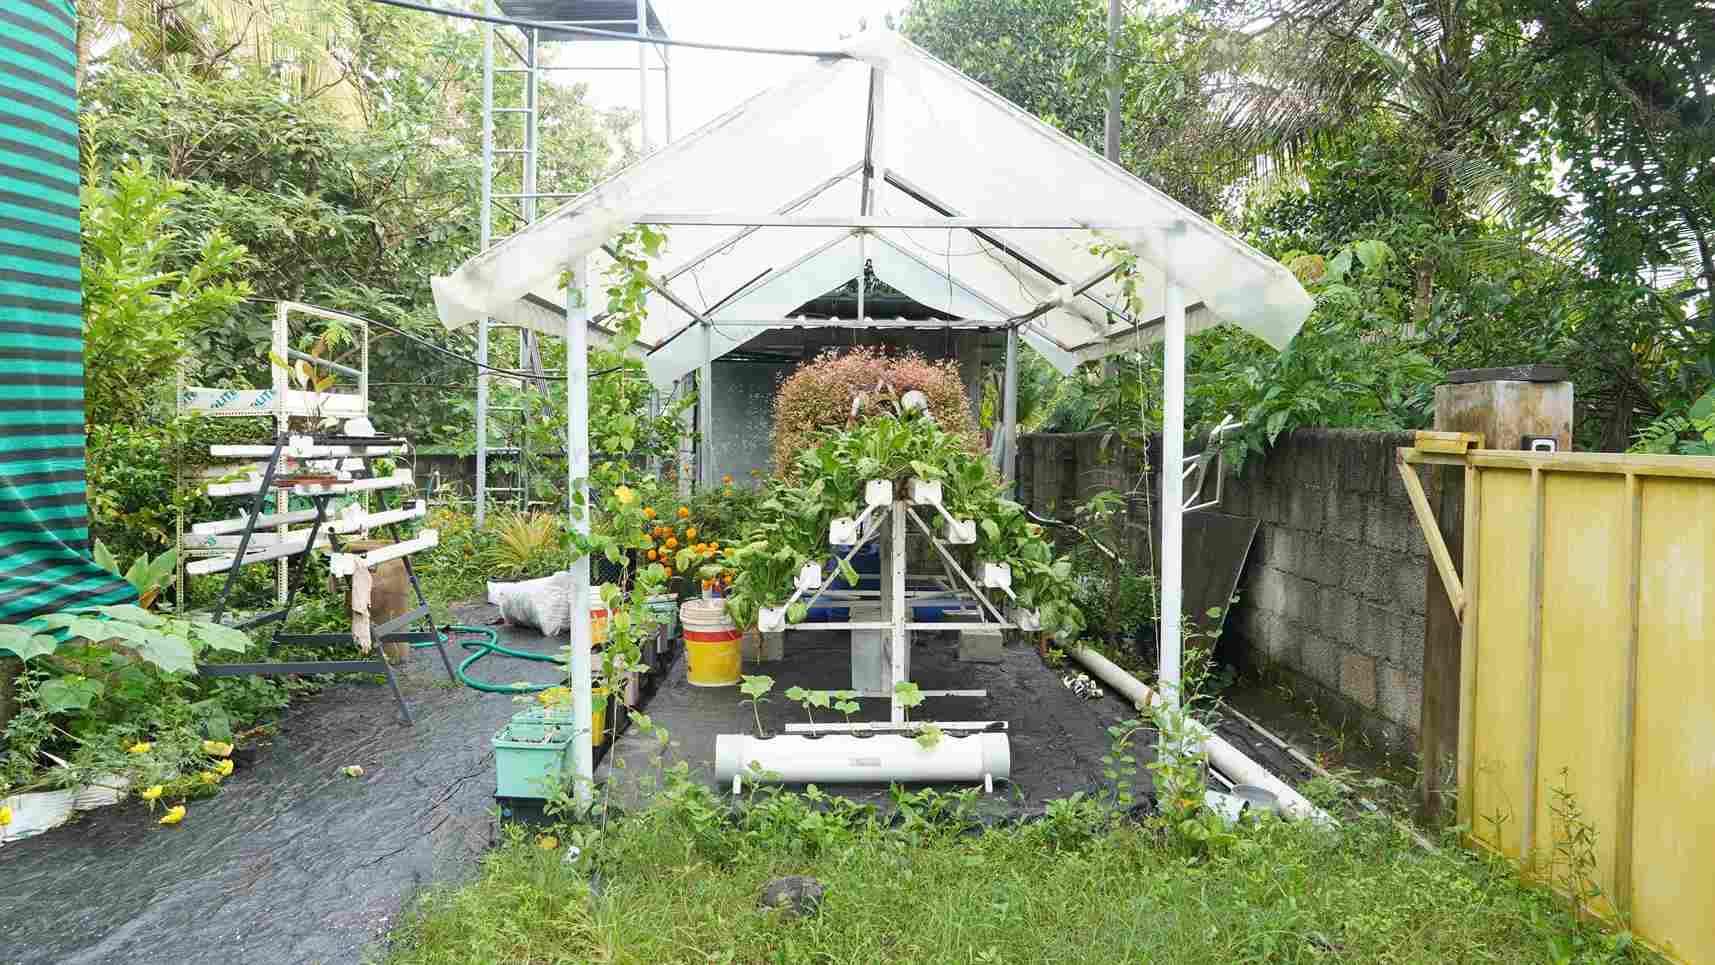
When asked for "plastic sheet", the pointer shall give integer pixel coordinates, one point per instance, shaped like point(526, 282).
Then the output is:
point(944, 146)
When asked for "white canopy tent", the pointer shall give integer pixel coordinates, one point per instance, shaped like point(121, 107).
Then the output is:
point(950, 194)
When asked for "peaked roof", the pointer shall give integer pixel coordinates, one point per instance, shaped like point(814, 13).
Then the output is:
point(940, 145)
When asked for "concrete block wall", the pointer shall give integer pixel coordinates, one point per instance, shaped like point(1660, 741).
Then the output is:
point(1333, 593)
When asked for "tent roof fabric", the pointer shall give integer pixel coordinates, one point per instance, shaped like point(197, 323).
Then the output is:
point(939, 145)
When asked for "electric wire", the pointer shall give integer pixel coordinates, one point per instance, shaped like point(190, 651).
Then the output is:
point(611, 34)
point(440, 350)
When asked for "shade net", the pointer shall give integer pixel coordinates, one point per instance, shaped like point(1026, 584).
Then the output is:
point(45, 564)
point(941, 145)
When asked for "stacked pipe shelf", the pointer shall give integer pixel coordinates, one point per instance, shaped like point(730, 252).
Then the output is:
point(333, 467)
point(976, 751)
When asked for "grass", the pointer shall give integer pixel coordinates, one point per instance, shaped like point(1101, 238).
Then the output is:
point(679, 883)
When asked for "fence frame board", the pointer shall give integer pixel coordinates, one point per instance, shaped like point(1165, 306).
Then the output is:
point(1594, 653)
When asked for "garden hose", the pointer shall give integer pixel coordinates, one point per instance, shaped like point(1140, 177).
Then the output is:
point(482, 648)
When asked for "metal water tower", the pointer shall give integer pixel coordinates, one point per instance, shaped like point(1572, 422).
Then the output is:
point(521, 51)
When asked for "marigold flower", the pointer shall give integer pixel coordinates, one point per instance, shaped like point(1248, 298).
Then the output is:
point(209, 777)
point(649, 511)
point(672, 542)
point(153, 792)
point(174, 815)
point(652, 554)
point(547, 842)
point(216, 749)
point(691, 533)
point(727, 478)
point(141, 747)
point(224, 768)
point(684, 512)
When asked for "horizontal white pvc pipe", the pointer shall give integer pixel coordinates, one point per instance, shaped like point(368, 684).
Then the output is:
point(1223, 756)
point(845, 759)
point(342, 564)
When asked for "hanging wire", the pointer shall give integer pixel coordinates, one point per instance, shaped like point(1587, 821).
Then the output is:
point(611, 34)
point(439, 350)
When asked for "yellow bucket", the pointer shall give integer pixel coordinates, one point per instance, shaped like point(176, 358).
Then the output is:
point(598, 628)
point(712, 655)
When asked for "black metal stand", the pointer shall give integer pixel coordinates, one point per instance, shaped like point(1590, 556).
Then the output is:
point(392, 631)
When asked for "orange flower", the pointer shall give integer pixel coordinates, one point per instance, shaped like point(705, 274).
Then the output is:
point(727, 479)
point(691, 533)
point(672, 542)
point(649, 511)
point(684, 512)
point(714, 547)
point(669, 572)
point(651, 555)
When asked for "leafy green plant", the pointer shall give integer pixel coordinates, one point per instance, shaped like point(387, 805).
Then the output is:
point(1687, 432)
point(810, 698)
point(98, 682)
point(755, 689)
point(147, 576)
point(908, 695)
point(526, 545)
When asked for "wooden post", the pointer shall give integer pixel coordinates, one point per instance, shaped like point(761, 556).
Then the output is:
point(1504, 406)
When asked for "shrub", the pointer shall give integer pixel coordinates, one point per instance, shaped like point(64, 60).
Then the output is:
point(817, 397)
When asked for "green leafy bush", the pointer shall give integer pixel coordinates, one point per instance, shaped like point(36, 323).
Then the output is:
point(99, 684)
point(818, 396)
point(1686, 432)
point(828, 482)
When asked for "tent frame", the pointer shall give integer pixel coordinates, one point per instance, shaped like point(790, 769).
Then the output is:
point(578, 444)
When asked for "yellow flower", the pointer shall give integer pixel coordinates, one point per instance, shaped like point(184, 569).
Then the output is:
point(684, 511)
point(691, 533)
point(216, 749)
point(210, 777)
point(141, 747)
point(727, 479)
point(174, 815)
point(5, 816)
point(672, 542)
point(624, 495)
point(153, 792)
point(754, 473)
point(649, 511)
point(547, 842)
point(224, 768)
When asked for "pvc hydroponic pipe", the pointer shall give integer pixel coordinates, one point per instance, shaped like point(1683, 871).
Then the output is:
point(843, 758)
point(1223, 756)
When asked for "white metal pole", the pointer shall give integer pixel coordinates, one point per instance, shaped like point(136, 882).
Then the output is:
point(577, 472)
point(667, 91)
point(485, 230)
point(706, 412)
point(1172, 485)
point(1009, 411)
point(643, 78)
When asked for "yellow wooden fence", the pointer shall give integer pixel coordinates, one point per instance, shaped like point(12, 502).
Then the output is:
point(1588, 670)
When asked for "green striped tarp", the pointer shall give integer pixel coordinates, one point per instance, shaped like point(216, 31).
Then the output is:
point(44, 522)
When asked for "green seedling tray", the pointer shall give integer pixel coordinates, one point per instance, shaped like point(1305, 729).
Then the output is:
point(531, 757)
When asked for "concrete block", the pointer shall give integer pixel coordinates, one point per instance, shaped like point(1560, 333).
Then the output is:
point(1268, 589)
point(1377, 628)
point(1410, 582)
point(980, 646)
point(1358, 679)
point(1279, 642)
point(1345, 628)
point(1343, 511)
point(1400, 697)
point(1304, 509)
point(1319, 659)
point(773, 646)
point(1407, 652)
